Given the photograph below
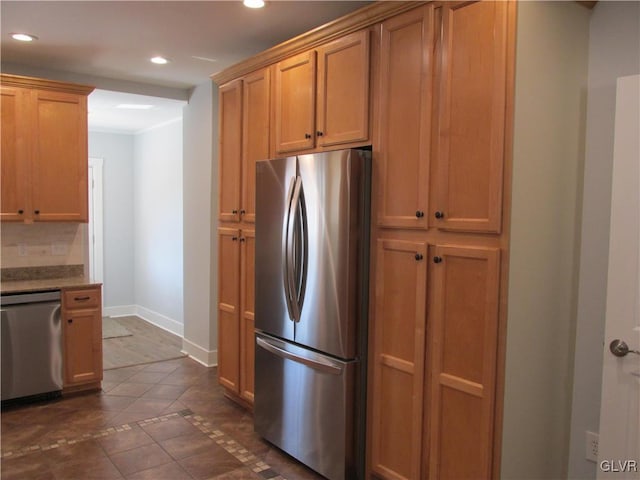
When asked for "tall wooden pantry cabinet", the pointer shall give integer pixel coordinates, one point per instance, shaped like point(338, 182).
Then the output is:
point(430, 87)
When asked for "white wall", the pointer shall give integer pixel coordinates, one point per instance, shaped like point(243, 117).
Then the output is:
point(614, 51)
point(200, 207)
point(550, 104)
point(158, 241)
point(117, 152)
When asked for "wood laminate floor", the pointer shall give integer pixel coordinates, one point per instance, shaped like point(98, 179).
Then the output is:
point(147, 344)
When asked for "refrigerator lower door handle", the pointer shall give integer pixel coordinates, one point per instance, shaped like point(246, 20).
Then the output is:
point(291, 274)
point(322, 365)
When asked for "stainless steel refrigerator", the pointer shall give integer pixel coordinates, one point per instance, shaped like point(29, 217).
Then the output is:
point(312, 249)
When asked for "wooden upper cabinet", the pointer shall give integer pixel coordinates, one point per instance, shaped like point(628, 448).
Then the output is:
point(343, 90)
point(14, 201)
point(322, 96)
point(256, 110)
point(403, 131)
point(44, 150)
point(396, 393)
point(470, 116)
point(295, 97)
point(58, 178)
point(463, 316)
point(230, 155)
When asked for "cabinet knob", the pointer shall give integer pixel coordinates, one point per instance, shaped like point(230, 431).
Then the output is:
point(419, 256)
point(37, 212)
point(70, 320)
point(437, 259)
point(234, 212)
point(234, 238)
point(419, 214)
point(307, 135)
point(319, 133)
point(242, 239)
point(20, 212)
point(242, 212)
point(439, 214)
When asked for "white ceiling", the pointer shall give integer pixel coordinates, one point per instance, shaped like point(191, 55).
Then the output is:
point(115, 39)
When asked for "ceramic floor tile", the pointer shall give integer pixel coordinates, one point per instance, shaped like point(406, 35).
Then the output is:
point(145, 376)
point(127, 440)
point(168, 471)
point(151, 406)
point(210, 464)
point(128, 389)
point(188, 445)
point(95, 469)
point(32, 466)
point(171, 428)
point(167, 392)
point(141, 458)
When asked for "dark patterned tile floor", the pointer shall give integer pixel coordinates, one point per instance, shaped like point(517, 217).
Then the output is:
point(166, 420)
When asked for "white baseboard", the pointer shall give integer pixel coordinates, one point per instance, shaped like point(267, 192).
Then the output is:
point(150, 316)
point(208, 358)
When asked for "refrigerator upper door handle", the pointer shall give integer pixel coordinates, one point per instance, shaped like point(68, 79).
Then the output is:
point(286, 248)
point(290, 258)
point(322, 365)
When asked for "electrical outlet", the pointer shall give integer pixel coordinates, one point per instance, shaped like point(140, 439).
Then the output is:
point(591, 446)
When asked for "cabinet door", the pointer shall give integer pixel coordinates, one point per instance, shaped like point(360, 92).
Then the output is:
point(463, 318)
point(256, 106)
point(295, 96)
point(471, 94)
point(398, 359)
point(230, 144)
point(14, 157)
point(228, 308)
point(343, 90)
point(247, 296)
point(60, 160)
point(82, 332)
point(403, 133)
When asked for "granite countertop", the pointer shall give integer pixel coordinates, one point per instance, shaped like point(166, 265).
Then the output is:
point(32, 279)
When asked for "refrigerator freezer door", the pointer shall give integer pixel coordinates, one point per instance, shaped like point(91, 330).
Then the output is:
point(306, 406)
point(336, 204)
point(275, 180)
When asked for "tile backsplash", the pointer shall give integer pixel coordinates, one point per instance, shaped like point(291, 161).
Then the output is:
point(43, 244)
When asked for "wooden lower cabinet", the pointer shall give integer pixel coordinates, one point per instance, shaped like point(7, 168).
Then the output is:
point(463, 321)
point(434, 360)
point(82, 337)
point(235, 312)
point(398, 362)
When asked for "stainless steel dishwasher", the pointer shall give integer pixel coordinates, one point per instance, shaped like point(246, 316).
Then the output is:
point(31, 340)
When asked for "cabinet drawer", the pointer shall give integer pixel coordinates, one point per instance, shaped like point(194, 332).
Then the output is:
point(81, 298)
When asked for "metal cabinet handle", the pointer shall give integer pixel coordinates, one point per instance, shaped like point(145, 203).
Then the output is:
point(234, 238)
point(70, 320)
point(20, 212)
point(242, 239)
point(234, 212)
point(307, 135)
point(620, 348)
point(37, 212)
point(81, 299)
point(419, 256)
point(437, 259)
point(319, 133)
point(243, 211)
point(419, 214)
point(439, 215)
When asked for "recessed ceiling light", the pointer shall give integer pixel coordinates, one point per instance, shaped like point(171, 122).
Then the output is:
point(253, 3)
point(23, 37)
point(159, 60)
point(134, 106)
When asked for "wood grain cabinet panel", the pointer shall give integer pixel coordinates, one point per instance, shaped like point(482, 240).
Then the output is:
point(236, 249)
point(256, 111)
point(228, 308)
point(44, 150)
point(470, 116)
point(14, 198)
point(82, 336)
point(229, 152)
point(398, 362)
point(463, 317)
point(403, 132)
point(322, 96)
